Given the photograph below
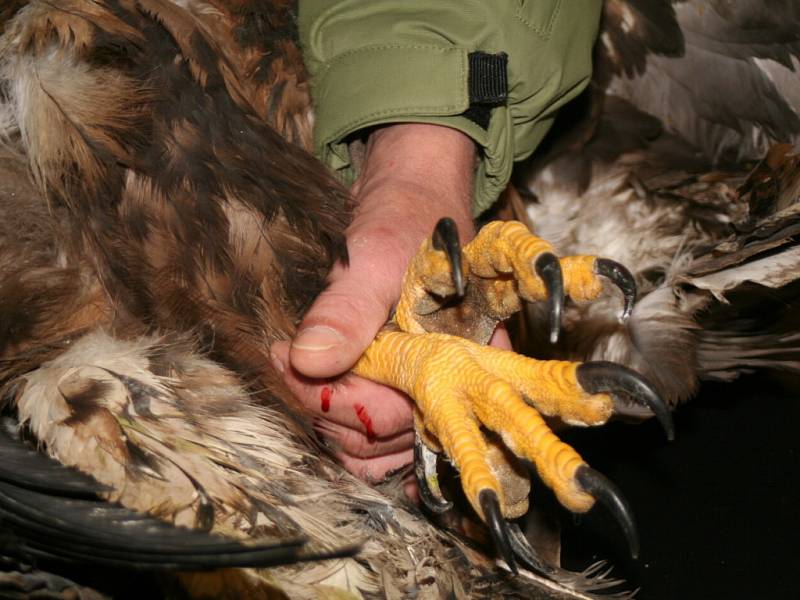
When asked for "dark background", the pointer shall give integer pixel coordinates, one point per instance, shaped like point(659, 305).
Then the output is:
point(717, 509)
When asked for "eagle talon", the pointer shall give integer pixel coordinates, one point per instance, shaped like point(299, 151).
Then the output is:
point(604, 491)
point(525, 553)
point(498, 527)
point(622, 278)
point(548, 268)
point(428, 479)
point(461, 386)
point(607, 377)
point(445, 237)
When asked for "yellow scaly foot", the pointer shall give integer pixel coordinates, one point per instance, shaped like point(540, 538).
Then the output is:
point(461, 386)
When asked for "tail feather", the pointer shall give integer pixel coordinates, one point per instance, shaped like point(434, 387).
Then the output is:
point(754, 278)
point(756, 328)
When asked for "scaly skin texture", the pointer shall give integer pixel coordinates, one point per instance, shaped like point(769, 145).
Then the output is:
point(498, 262)
point(460, 386)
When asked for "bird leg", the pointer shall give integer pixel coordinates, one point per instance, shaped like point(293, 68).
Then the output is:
point(434, 350)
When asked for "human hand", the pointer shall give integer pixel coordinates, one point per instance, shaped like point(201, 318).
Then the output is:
point(413, 175)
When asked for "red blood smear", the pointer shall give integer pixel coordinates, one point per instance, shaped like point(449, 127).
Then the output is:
point(362, 415)
point(325, 398)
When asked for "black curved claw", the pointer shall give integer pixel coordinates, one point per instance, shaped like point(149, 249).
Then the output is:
point(607, 377)
point(445, 237)
point(498, 527)
point(600, 487)
point(549, 269)
point(525, 552)
point(622, 278)
point(427, 478)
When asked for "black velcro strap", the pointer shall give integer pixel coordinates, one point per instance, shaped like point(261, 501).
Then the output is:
point(488, 85)
point(488, 82)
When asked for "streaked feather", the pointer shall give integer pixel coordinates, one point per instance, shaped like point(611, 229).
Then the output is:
point(162, 250)
point(192, 242)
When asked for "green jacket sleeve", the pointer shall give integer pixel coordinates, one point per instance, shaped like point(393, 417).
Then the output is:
point(388, 61)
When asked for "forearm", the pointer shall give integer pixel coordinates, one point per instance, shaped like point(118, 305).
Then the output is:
point(428, 169)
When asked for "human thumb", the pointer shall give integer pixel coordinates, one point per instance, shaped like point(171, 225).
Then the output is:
point(345, 317)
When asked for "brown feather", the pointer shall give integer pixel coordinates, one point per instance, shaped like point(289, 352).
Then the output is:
point(157, 134)
point(185, 226)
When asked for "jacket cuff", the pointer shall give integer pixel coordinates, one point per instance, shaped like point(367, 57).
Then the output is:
point(376, 85)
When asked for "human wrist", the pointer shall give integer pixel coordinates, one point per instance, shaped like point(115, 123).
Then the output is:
point(429, 165)
point(419, 148)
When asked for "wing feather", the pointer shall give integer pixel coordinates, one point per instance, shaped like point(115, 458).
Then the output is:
point(55, 512)
point(732, 90)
